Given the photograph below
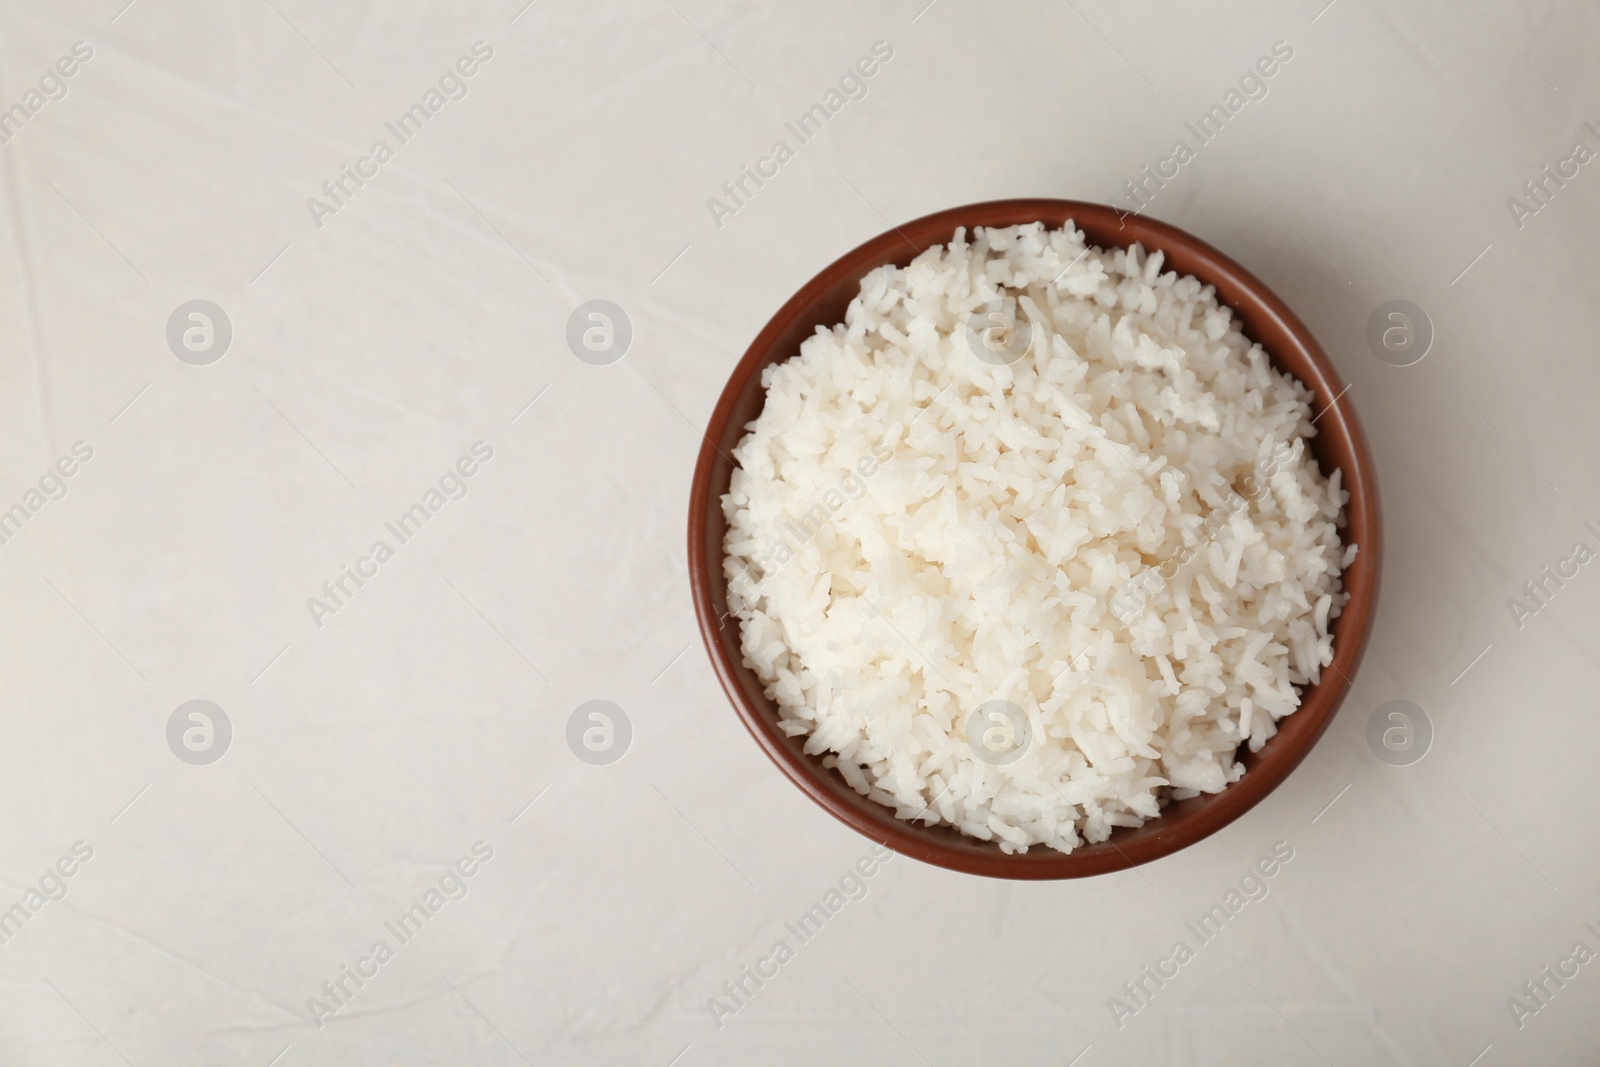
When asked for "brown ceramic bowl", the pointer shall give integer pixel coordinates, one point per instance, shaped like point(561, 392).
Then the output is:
point(1339, 445)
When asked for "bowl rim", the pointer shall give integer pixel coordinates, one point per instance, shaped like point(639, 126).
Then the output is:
point(1339, 430)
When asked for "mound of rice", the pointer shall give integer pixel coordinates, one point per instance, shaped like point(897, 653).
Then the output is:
point(1121, 534)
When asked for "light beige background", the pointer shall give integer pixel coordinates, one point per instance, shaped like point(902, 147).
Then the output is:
point(429, 311)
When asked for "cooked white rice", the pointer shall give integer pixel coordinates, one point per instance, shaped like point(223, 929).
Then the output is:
point(915, 532)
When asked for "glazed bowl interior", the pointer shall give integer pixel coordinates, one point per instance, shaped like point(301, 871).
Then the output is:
point(1338, 445)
